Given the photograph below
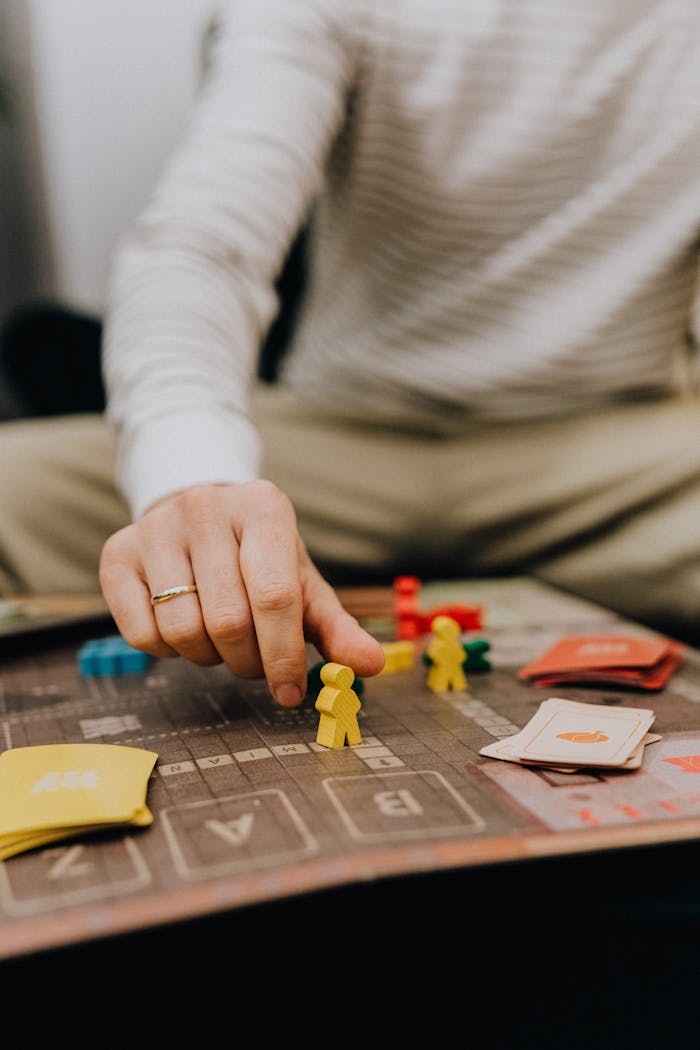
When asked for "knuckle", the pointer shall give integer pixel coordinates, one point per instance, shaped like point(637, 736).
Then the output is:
point(107, 575)
point(229, 626)
point(110, 551)
point(182, 634)
point(274, 596)
point(147, 641)
point(111, 577)
point(265, 489)
point(270, 498)
point(115, 553)
point(198, 504)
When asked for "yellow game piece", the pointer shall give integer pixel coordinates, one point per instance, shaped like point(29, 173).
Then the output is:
point(398, 656)
point(447, 655)
point(338, 704)
point(51, 790)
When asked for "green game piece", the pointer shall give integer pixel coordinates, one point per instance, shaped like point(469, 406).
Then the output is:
point(314, 681)
point(474, 659)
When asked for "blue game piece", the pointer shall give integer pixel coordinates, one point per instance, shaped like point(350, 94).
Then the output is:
point(111, 656)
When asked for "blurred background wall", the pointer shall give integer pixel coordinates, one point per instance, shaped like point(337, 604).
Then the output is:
point(98, 93)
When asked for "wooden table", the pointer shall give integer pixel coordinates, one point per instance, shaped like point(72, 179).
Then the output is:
point(251, 812)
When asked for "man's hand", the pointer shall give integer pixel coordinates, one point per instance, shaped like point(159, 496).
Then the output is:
point(259, 597)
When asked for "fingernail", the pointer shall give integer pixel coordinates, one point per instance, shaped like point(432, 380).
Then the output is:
point(288, 695)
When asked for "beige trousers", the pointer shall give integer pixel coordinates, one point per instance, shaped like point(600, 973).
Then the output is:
point(605, 505)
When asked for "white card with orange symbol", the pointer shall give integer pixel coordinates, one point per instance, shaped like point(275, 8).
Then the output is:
point(637, 757)
point(504, 749)
point(567, 732)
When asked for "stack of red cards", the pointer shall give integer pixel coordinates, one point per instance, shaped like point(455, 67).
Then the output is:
point(566, 735)
point(601, 659)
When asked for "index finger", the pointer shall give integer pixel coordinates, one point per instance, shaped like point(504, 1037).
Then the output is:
point(269, 561)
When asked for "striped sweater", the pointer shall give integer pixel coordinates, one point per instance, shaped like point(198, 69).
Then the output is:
point(503, 202)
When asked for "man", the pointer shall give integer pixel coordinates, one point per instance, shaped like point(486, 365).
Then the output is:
point(492, 368)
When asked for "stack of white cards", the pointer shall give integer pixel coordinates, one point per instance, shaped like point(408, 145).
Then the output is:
point(566, 735)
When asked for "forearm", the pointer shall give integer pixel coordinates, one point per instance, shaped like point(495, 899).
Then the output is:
point(192, 289)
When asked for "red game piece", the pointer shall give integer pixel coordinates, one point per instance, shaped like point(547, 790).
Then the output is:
point(408, 625)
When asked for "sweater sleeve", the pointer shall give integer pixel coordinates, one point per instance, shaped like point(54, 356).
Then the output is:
point(191, 290)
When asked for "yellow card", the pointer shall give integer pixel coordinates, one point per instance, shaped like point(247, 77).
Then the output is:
point(9, 846)
point(12, 844)
point(52, 786)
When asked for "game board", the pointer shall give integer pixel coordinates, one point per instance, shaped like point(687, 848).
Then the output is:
point(249, 808)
